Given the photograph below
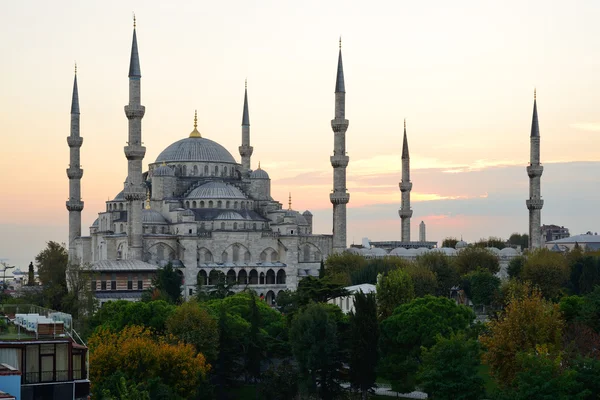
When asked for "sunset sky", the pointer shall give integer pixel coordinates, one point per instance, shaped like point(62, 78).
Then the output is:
point(461, 72)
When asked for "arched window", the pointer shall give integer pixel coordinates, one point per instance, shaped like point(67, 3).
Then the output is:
point(317, 256)
point(230, 276)
point(208, 257)
point(247, 257)
point(253, 277)
point(160, 252)
point(201, 203)
point(306, 253)
point(195, 170)
point(254, 226)
point(242, 277)
point(270, 277)
point(270, 298)
point(216, 170)
point(153, 229)
point(121, 207)
point(263, 256)
point(194, 204)
point(281, 277)
point(213, 277)
point(184, 170)
point(235, 205)
point(162, 229)
point(219, 204)
point(234, 226)
point(262, 278)
point(202, 277)
point(121, 228)
point(187, 204)
point(206, 170)
point(210, 204)
point(227, 204)
point(236, 252)
point(224, 171)
point(223, 225)
point(224, 257)
point(274, 256)
point(243, 205)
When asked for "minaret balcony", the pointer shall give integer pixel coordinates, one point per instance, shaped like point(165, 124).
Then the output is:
point(339, 198)
point(534, 204)
point(405, 186)
point(74, 141)
point(74, 205)
point(339, 161)
point(74, 173)
point(135, 152)
point(246, 151)
point(535, 171)
point(405, 213)
point(135, 111)
point(339, 125)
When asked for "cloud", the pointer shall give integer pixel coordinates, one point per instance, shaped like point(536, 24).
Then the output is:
point(586, 126)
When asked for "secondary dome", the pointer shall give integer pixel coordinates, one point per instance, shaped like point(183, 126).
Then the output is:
point(216, 190)
point(195, 149)
point(163, 170)
point(152, 217)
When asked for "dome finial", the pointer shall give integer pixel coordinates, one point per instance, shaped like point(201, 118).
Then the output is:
point(195, 132)
point(75, 67)
point(340, 42)
point(134, 20)
point(290, 202)
point(534, 93)
point(147, 199)
point(259, 165)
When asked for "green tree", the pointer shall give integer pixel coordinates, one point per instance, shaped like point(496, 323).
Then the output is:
point(393, 289)
point(364, 336)
point(571, 307)
point(193, 324)
point(279, 383)
point(492, 241)
point(314, 340)
point(515, 266)
point(424, 280)
point(52, 267)
point(30, 275)
point(340, 266)
point(517, 239)
point(449, 370)
point(449, 242)
point(481, 287)
point(546, 269)
point(219, 289)
point(413, 326)
point(377, 266)
point(254, 354)
point(472, 258)
point(168, 282)
point(440, 264)
point(590, 310)
point(126, 391)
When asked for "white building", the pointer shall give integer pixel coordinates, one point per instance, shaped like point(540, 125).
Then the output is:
point(346, 303)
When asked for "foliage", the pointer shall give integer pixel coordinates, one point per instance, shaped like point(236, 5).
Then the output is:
point(450, 369)
point(142, 356)
point(517, 239)
point(590, 310)
point(445, 273)
point(254, 353)
point(481, 286)
point(492, 241)
point(515, 266)
point(116, 315)
point(412, 326)
point(364, 336)
point(584, 272)
point(219, 290)
point(168, 282)
point(126, 391)
point(526, 322)
point(193, 324)
point(339, 266)
point(423, 279)
point(579, 340)
point(471, 259)
point(313, 336)
point(571, 306)
point(393, 289)
point(377, 266)
point(546, 269)
point(52, 267)
point(588, 370)
point(279, 383)
point(30, 275)
point(80, 301)
point(449, 242)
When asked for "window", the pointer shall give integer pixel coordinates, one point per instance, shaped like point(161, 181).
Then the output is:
point(216, 170)
point(206, 170)
point(190, 231)
point(191, 292)
point(113, 285)
point(222, 225)
point(347, 303)
point(93, 286)
point(103, 285)
point(140, 285)
point(129, 284)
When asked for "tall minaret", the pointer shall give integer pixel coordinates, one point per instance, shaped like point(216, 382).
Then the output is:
point(245, 149)
point(534, 170)
point(405, 187)
point(135, 191)
point(339, 161)
point(422, 232)
point(74, 172)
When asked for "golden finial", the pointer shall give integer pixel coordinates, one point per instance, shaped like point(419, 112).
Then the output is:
point(534, 93)
point(134, 20)
point(290, 202)
point(246, 83)
point(75, 67)
point(259, 165)
point(195, 132)
point(340, 42)
point(148, 199)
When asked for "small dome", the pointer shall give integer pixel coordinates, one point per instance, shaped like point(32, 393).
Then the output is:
point(449, 251)
point(119, 196)
point(96, 222)
point(152, 217)
point(493, 250)
point(461, 244)
point(508, 252)
point(353, 250)
point(422, 250)
point(399, 251)
point(163, 170)
point(195, 149)
point(378, 252)
point(259, 174)
point(307, 213)
point(229, 215)
point(216, 190)
point(187, 213)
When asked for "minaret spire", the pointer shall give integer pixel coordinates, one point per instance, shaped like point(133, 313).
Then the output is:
point(135, 190)
point(245, 149)
point(405, 187)
point(534, 171)
point(74, 173)
point(339, 161)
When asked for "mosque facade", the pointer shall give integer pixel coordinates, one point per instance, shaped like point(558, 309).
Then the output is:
point(201, 210)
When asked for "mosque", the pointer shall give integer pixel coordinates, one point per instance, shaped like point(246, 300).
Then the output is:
point(201, 210)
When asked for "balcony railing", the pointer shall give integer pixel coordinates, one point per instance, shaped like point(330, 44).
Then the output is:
point(52, 376)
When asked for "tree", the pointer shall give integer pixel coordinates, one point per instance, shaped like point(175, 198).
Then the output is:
point(254, 354)
point(517, 239)
point(515, 266)
point(445, 273)
point(52, 266)
point(492, 241)
point(30, 275)
point(193, 324)
point(364, 336)
point(526, 322)
point(376, 266)
point(142, 356)
point(546, 269)
point(168, 282)
point(481, 287)
point(449, 370)
point(220, 289)
point(279, 383)
point(413, 326)
point(339, 266)
point(449, 242)
point(393, 289)
point(589, 313)
point(472, 258)
point(423, 279)
point(313, 336)
point(126, 391)
point(80, 301)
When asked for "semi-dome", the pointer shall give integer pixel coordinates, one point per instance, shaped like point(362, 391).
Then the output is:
point(307, 213)
point(229, 215)
point(195, 149)
point(187, 213)
point(152, 217)
point(119, 196)
point(216, 190)
point(163, 170)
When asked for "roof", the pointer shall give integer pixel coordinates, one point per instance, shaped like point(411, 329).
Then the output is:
point(195, 149)
point(216, 190)
point(245, 114)
point(339, 80)
point(259, 174)
point(365, 288)
point(152, 217)
point(119, 294)
point(210, 214)
point(120, 196)
point(163, 170)
point(123, 265)
point(134, 62)
point(578, 239)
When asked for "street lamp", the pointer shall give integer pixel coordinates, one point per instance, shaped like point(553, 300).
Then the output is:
point(4, 279)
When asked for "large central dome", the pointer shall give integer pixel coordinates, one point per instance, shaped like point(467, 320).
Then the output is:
point(195, 149)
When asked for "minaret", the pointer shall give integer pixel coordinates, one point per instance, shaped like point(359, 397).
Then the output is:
point(422, 232)
point(74, 172)
point(405, 187)
point(245, 149)
point(339, 161)
point(135, 191)
point(534, 170)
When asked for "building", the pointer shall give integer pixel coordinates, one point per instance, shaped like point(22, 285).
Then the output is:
point(346, 303)
point(534, 171)
point(587, 242)
point(554, 232)
point(41, 356)
point(201, 210)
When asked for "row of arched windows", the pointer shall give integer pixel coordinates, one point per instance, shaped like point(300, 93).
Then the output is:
point(204, 170)
point(235, 253)
point(120, 206)
point(243, 277)
point(242, 205)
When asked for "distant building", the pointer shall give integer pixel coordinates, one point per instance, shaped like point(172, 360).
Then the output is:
point(422, 232)
point(554, 232)
point(585, 242)
point(346, 303)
